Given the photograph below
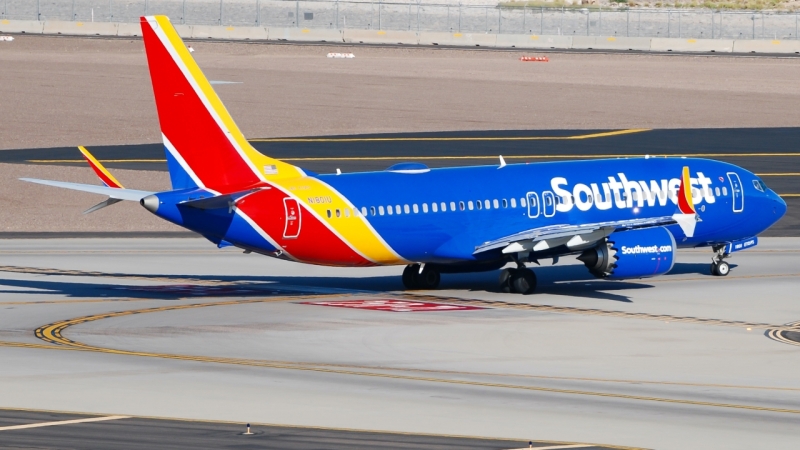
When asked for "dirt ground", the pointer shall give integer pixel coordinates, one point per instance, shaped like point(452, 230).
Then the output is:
point(64, 91)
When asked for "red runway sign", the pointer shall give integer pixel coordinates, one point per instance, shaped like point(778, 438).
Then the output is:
point(394, 305)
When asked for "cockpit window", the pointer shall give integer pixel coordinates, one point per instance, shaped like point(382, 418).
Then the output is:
point(760, 185)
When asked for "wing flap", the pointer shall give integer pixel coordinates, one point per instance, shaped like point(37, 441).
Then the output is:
point(574, 236)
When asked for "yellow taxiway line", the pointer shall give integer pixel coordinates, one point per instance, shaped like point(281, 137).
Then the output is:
point(53, 333)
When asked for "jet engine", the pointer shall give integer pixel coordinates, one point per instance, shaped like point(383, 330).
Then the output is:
point(640, 253)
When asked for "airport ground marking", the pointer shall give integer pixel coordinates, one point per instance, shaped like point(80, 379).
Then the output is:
point(342, 429)
point(596, 312)
point(53, 333)
point(459, 139)
point(451, 372)
point(62, 422)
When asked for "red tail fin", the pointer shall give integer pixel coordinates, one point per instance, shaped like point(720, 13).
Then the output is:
point(197, 129)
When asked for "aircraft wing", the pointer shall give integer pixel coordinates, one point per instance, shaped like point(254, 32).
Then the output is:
point(116, 193)
point(575, 237)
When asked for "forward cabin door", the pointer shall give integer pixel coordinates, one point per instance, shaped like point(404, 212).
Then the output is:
point(533, 205)
point(292, 209)
point(736, 191)
point(549, 203)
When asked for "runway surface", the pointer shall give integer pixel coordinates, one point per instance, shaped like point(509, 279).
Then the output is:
point(177, 328)
point(69, 430)
point(769, 152)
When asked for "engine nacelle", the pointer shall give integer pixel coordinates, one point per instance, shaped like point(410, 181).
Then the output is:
point(632, 254)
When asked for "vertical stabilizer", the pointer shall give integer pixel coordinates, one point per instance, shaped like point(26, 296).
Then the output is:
point(204, 146)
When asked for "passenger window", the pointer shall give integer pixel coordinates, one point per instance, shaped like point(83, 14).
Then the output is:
point(364, 211)
point(460, 206)
point(405, 209)
point(434, 207)
point(380, 209)
point(716, 191)
point(389, 210)
point(522, 203)
point(470, 205)
point(444, 206)
point(372, 211)
point(496, 205)
point(505, 203)
point(338, 213)
point(415, 208)
point(347, 212)
point(589, 198)
point(424, 207)
point(724, 191)
point(329, 214)
point(513, 203)
point(478, 203)
point(487, 204)
point(453, 206)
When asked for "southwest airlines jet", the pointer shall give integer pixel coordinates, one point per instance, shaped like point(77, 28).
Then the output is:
point(623, 218)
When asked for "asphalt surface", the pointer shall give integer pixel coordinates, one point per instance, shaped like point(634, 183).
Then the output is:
point(769, 152)
point(146, 433)
point(175, 328)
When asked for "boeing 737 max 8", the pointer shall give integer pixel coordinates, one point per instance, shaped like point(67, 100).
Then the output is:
point(623, 218)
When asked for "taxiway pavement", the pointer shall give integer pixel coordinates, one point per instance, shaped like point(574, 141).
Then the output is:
point(177, 328)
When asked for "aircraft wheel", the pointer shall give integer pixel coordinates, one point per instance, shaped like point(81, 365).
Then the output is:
point(722, 269)
point(505, 280)
point(428, 279)
point(713, 268)
point(410, 276)
point(524, 281)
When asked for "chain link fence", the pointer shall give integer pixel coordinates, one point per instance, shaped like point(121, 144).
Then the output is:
point(418, 16)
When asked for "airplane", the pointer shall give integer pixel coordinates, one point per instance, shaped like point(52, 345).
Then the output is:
point(623, 218)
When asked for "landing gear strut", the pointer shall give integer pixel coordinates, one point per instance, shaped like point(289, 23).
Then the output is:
point(520, 280)
point(414, 278)
point(718, 265)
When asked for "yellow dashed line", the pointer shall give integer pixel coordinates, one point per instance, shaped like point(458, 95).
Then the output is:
point(461, 139)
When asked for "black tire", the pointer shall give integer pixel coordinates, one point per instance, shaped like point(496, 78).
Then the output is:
point(505, 280)
point(524, 281)
point(428, 279)
point(410, 276)
point(722, 269)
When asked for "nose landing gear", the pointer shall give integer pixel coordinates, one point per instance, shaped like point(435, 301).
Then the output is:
point(520, 280)
point(414, 278)
point(719, 267)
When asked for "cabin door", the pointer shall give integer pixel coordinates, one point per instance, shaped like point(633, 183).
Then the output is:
point(292, 210)
point(533, 205)
point(736, 191)
point(549, 203)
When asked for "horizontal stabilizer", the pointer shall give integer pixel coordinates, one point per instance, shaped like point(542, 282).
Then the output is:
point(107, 202)
point(115, 193)
point(220, 201)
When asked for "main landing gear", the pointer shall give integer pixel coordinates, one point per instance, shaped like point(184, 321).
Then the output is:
point(520, 280)
point(718, 265)
point(414, 278)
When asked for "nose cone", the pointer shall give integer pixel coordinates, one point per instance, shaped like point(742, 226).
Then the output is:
point(779, 208)
point(150, 203)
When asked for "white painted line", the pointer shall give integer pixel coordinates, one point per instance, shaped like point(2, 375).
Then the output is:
point(554, 447)
point(63, 422)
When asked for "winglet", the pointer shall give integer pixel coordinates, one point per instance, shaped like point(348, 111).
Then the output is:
point(687, 217)
point(104, 175)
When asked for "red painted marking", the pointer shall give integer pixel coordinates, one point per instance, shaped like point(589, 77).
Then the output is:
point(394, 305)
point(189, 126)
point(314, 243)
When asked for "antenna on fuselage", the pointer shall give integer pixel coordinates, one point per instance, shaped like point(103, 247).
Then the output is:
point(502, 162)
